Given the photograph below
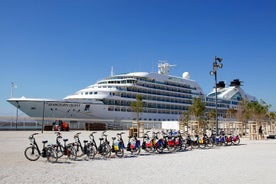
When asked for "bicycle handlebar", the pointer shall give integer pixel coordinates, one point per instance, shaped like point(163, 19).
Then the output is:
point(32, 136)
point(121, 133)
point(58, 133)
point(91, 136)
point(77, 135)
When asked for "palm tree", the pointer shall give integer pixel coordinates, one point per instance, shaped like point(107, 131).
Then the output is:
point(184, 120)
point(271, 119)
point(258, 111)
point(211, 115)
point(197, 109)
point(231, 112)
point(254, 111)
point(137, 108)
point(243, 114)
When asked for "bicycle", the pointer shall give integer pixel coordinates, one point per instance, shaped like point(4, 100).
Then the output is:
point(104, 148)
point(67, 150)
point(85, 149)
point(147, 144)
point(133, 145)
point(118, 146)
point(33, 152)
point(205, 141)
point(179, 143)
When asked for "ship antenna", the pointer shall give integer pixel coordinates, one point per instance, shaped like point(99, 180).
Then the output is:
point(164, 67)
point(111, 72)
point(13, 86)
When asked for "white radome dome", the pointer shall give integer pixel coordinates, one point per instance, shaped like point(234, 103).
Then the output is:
point(186, 75)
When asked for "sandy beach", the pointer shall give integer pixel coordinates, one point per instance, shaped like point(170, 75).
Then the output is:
point(253, 161)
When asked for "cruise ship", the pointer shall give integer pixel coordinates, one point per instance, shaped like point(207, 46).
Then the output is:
point(165, 98)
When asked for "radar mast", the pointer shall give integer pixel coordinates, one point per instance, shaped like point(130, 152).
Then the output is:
point(164, 67)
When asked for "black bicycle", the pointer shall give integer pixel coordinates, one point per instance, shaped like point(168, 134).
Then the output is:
point(65, 149)
point(104, 148)
point(85, 149)
point(33, 152)
point(118, 145)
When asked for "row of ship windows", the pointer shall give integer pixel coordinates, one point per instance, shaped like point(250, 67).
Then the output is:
point(167, 83)
point(166, 87)
point(188, 99)
point(150, 105)
point(118, 82)
point(165, 93)
point(151, 83)
point(158, 98)
point(89, 93)
point(218, 105)
point(145, 110)
point(127, 80)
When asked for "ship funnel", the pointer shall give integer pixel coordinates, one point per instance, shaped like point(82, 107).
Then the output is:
point(221, 84)
point(236, 83)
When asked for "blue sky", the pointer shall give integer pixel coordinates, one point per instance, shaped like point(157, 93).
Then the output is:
point(53, 48)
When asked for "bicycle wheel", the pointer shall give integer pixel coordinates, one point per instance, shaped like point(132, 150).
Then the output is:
point(187, 147)
point(71, 153)
point(32, 153)
point(135, 151)
point(210, 143)
point(170, 148)
point(195, 145)
point(78, 150)
point(120, 153)
point(159, 149)
point(236, 142)
point(52, 155)
point(149, 149)
point(179, 147)
point(106, 150)
point(90, 152)
point(59, 151)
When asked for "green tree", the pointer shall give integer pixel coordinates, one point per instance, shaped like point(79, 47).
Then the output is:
point(197, 109)
point(231, 113)
point(271, 120)
point(243, 114)
point(211, 116)
point(137, 108)
point(257, 111)
point(184, 120)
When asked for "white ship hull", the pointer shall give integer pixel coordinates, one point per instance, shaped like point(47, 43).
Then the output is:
point(77, 110)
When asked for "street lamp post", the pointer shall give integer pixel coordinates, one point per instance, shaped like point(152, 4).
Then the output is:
point(216, 64)
point(16, 120)
point(43, 116)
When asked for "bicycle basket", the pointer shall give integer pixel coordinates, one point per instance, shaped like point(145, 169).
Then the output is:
point(116, 146)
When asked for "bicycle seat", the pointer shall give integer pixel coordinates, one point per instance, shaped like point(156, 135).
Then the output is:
point(101, 139)
point(85, 141)
point(65, 140)
point(44, 142)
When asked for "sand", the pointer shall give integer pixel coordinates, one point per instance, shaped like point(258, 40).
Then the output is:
point(251, 162)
